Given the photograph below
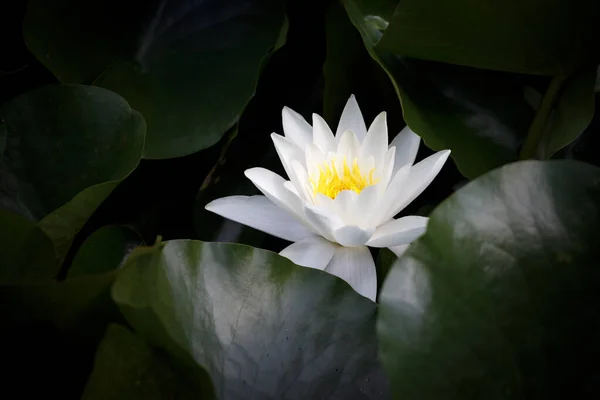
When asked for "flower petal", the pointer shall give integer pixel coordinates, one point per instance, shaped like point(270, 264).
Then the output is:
point(352, 120)
point(400, 249)
point(287, 152)
point(352, 235)
point(312, 252)
point(407, 145)
point(394, 190)
point(301, 180)
point(296, 128)
point(420, 176)
point(260, 213)
point(314, 158)
point(272, 185)
point(322, 135)
point(344, 205)
point(348, 147)
point(355, 265)
point(325, 223)
point(388, 168)
point(376, 142)
point(366, 202)
point(399, 231)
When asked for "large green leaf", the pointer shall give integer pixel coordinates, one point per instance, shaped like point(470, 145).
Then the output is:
point(349, 69)
point(68, 147)
point(572, 113)
point(260, 325)
point(188, 66)
point(50, 331)
point(499, 299)
point(525, 36)
point(2, 140)
point(127, 368)
point(482, 116)
point(27, 253)
point(104, 250)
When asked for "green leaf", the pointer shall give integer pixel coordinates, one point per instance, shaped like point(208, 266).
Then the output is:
point(189, 67)
point(384, 262)
point(104, 250)
point(262, 326)
point(68, 147)
point(349, 69)
point(127, 368)
point(2, 140)
point(482, 116)
point(50, 332)
point(572, 113)
point(499, 299)
point(27, 253)
point(527, 36)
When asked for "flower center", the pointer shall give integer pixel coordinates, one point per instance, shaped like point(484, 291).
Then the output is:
point(331, 182)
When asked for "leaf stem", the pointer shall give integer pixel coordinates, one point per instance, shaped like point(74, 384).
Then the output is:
point(536, 130)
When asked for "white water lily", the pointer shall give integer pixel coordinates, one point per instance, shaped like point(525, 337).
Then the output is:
point(342, 195)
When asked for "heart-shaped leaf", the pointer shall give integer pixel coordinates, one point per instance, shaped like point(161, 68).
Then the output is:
point(67, 148)
point(260, 325)
point(127, 368)
point(104, 250)
point(27, 253)
point(188, 66)
point(483, 116)
point(499, 299)
point(527, 36)
point(572, 113)
point(50, 331)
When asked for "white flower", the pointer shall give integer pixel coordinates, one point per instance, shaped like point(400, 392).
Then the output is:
point(343, 193)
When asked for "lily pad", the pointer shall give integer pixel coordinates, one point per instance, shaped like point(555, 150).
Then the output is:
point(189, 67)
point(481, 115)
point(260, 325)
point(27, 253)
point(128, 368)
point(104, 250)
point(498, 300)
point(43, 322)
point(572, 113)
point(528, 36)
point(67, 148)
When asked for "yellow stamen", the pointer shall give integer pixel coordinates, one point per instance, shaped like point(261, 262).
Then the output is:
point(330, 182)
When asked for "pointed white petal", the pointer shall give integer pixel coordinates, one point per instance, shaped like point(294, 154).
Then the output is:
point(260, 213)
point(407, 145)
point(290, 187)
point(352, 236)
point(314, 158)
point(394, 190)
point(355, 265)
point(296, 128)
point(399, 231)
point(348, 147)
point(420, 176)
point(399, 250)
point(312, 252)
point(366, 202)
point(323, 221)
point(287, 152)
point(388, 167)
point(352, 120)
point(344, 205)
point(376, 142)
point(301, 181)
point(322, 135)
point(272, 185)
